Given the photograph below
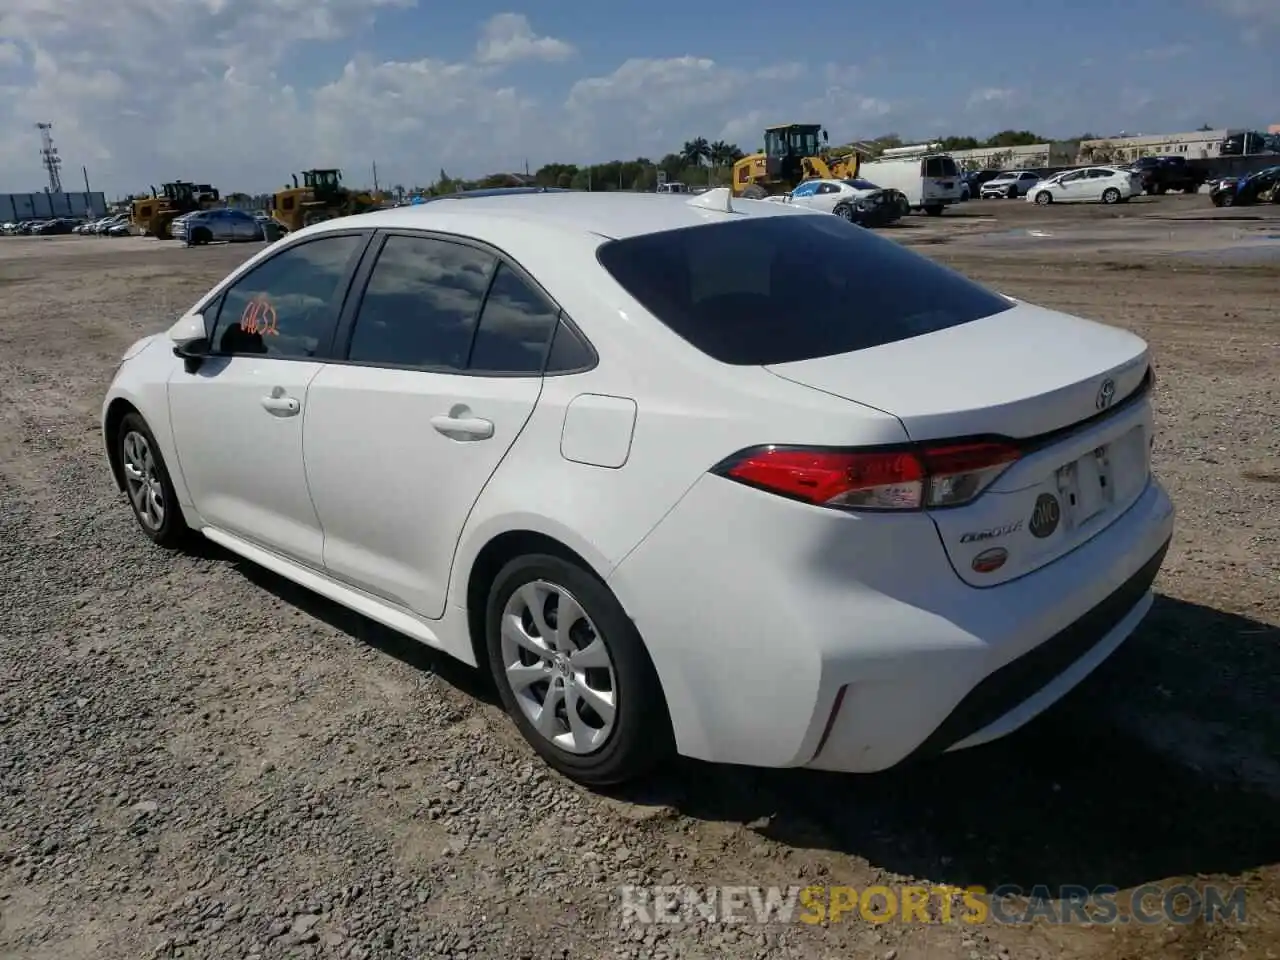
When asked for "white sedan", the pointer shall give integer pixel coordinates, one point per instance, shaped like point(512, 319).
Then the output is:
point(1088, 185)
point(856, 200)
point(671, 470)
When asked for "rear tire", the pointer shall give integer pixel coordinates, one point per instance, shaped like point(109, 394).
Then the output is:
point(844, 212)
point(933, 210)
point(753, 191)
point(596, 660)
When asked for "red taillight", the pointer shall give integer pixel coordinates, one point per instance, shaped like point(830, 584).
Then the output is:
point(887, 479)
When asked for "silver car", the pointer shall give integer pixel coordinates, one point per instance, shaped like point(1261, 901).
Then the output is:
point(206, 226)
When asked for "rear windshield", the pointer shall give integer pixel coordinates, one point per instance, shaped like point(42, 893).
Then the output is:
point(939, 167)
point(783, 288)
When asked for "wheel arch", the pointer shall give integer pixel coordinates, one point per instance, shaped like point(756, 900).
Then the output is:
point(117, 410)
point(497, 552)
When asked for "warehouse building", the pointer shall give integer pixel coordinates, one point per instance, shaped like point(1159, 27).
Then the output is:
point(16, 207)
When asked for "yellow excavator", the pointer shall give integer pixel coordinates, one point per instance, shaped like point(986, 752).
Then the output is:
point(153, 216)
point(792, 153)
point(321, 196)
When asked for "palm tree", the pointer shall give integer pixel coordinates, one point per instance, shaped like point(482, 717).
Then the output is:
point(696, 151)
point(724, 154)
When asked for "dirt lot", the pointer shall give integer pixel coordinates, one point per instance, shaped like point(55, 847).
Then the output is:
point(199, 760)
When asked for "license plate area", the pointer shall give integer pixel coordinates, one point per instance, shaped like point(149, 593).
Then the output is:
point(1090, 486)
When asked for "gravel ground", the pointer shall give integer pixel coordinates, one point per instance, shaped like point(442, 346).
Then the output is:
point(199, 760)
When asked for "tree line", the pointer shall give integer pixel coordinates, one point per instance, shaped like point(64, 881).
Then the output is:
point(699, 162)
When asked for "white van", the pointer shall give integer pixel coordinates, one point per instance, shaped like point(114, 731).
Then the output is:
point(930, 180)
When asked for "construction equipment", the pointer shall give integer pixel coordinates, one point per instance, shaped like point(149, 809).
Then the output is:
point(320, 197)
point(792, 153)
point(153, 215)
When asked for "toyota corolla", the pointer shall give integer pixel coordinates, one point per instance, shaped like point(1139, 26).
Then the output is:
point(719, 477)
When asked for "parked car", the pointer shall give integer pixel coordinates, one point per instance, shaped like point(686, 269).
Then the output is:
point(972, 181)
point(565, 437)
point(1090, 184)
point(206, 226)
point(1260, 187)
point(104, 225)
point(856, 200)
point(1162, 174)
point(55, 227)
point(1011, 184)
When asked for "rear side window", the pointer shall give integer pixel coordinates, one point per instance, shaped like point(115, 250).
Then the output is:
point(515, 326)
point(784, 288)
point(940, 167)
point(421, 304)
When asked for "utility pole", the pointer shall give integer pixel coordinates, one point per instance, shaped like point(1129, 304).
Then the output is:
point(375, 176)
point(49, 157)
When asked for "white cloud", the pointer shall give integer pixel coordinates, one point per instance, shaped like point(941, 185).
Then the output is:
point(142, 91)
point(509, 38)
point(991, 96)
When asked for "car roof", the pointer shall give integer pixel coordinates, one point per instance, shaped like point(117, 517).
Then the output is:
point(613, 215)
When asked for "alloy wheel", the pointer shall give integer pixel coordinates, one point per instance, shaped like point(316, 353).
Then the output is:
point(559, 668)
point(142, 480)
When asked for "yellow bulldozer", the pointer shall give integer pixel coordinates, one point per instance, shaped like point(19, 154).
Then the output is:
point(792, 153)
point(152, 216)
point(321, 196)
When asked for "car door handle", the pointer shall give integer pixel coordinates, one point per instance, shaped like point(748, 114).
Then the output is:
point(281, 406)
point(463, 428)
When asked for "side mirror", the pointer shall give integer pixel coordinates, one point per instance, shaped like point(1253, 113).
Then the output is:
point(190, 341)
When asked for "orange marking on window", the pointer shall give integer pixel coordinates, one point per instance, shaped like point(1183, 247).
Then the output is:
point(260, 317)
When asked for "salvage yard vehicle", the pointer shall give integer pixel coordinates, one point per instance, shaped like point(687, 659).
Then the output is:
point(1087, 185)
point(1162, 174)
point(227, 224)
point(858, 201)
point(153, 215)
point(320, 197)
point(1260, 187)
point(928, 178)
point(564, 436)
point(792, 154)
point(1011, 184)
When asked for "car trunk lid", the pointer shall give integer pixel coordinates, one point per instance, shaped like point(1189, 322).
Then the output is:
point(1069, 391)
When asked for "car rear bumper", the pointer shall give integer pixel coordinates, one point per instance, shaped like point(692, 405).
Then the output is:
point(787, 635)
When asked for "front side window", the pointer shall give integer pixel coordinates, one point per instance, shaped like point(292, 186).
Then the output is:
point(287, 306)
point(778, 289)
point(421, 304)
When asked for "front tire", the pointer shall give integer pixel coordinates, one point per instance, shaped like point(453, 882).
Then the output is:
point(147, 483)
point(573, 672)
point(1044, 198)
point(753, 191)
point(1111, 195)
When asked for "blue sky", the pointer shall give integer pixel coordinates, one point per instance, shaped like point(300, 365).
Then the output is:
point(241, 92)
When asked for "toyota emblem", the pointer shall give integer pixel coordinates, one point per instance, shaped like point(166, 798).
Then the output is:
point(1106, 394)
